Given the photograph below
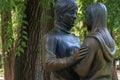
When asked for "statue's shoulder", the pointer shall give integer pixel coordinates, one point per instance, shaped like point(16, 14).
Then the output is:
point(95, 35)
point(52, 35)
point(91, 38)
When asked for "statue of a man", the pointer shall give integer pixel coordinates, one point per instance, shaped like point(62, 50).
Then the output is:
point(60, 44)
point(97, 65)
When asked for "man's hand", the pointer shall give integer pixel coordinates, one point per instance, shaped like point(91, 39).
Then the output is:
point(80, 54)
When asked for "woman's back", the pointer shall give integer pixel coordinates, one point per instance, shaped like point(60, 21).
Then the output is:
point(98, 63)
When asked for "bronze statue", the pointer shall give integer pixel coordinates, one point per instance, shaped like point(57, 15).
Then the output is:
point(97, 64)
point(61, 46)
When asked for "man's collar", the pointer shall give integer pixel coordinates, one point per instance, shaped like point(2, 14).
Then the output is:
point(64, 28)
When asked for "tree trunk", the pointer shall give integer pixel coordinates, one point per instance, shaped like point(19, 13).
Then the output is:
point(25, 63)
point(7, 55)
point(46, 27)
point(28, 66)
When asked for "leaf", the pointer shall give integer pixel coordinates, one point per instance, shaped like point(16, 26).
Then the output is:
point(24, 37)
point(24, 32)
point(13, 3)
point(24, 27)
point(48, 17)
point(42, 20)
point(18, 53)
point(23, 44)
point(20, 50)
point(25, 22)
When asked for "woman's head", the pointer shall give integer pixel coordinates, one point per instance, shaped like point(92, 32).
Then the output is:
point(96, 20)
point(96, 17)
point(65, 11)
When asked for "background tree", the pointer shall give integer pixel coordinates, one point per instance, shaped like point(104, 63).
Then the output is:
point(7, 40)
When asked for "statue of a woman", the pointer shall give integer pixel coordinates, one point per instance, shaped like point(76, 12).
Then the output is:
point(97, 65)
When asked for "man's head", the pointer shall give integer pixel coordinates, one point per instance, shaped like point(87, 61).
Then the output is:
point(96, 16)
point(65, 12)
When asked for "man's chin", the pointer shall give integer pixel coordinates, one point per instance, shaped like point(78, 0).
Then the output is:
point(72, 25)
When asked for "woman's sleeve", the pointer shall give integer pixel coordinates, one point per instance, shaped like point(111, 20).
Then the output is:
point(51, 63)
point(83, 67)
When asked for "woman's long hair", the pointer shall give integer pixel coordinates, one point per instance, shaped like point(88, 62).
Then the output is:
point(96, 15)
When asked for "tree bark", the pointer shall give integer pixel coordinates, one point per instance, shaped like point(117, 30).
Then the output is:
point(46, 27)
point(25, 63)
point(29, 66)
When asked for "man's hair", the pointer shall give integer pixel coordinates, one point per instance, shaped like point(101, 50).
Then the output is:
point(63, 6)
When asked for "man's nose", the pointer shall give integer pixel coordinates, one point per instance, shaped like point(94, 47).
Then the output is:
point(75, 16)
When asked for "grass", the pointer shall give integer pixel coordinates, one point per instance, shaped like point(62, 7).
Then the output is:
point(1, 72)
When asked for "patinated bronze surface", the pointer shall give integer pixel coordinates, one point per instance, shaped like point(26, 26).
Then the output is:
point(61, 46)
point(97, 65)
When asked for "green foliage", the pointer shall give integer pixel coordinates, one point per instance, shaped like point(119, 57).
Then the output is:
point(47, 3)
point(1, 72)
point(20, 34)
point(44, 18)
point(0, 38)
point(5, 7)
point(117, 40)
point(16, 31)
